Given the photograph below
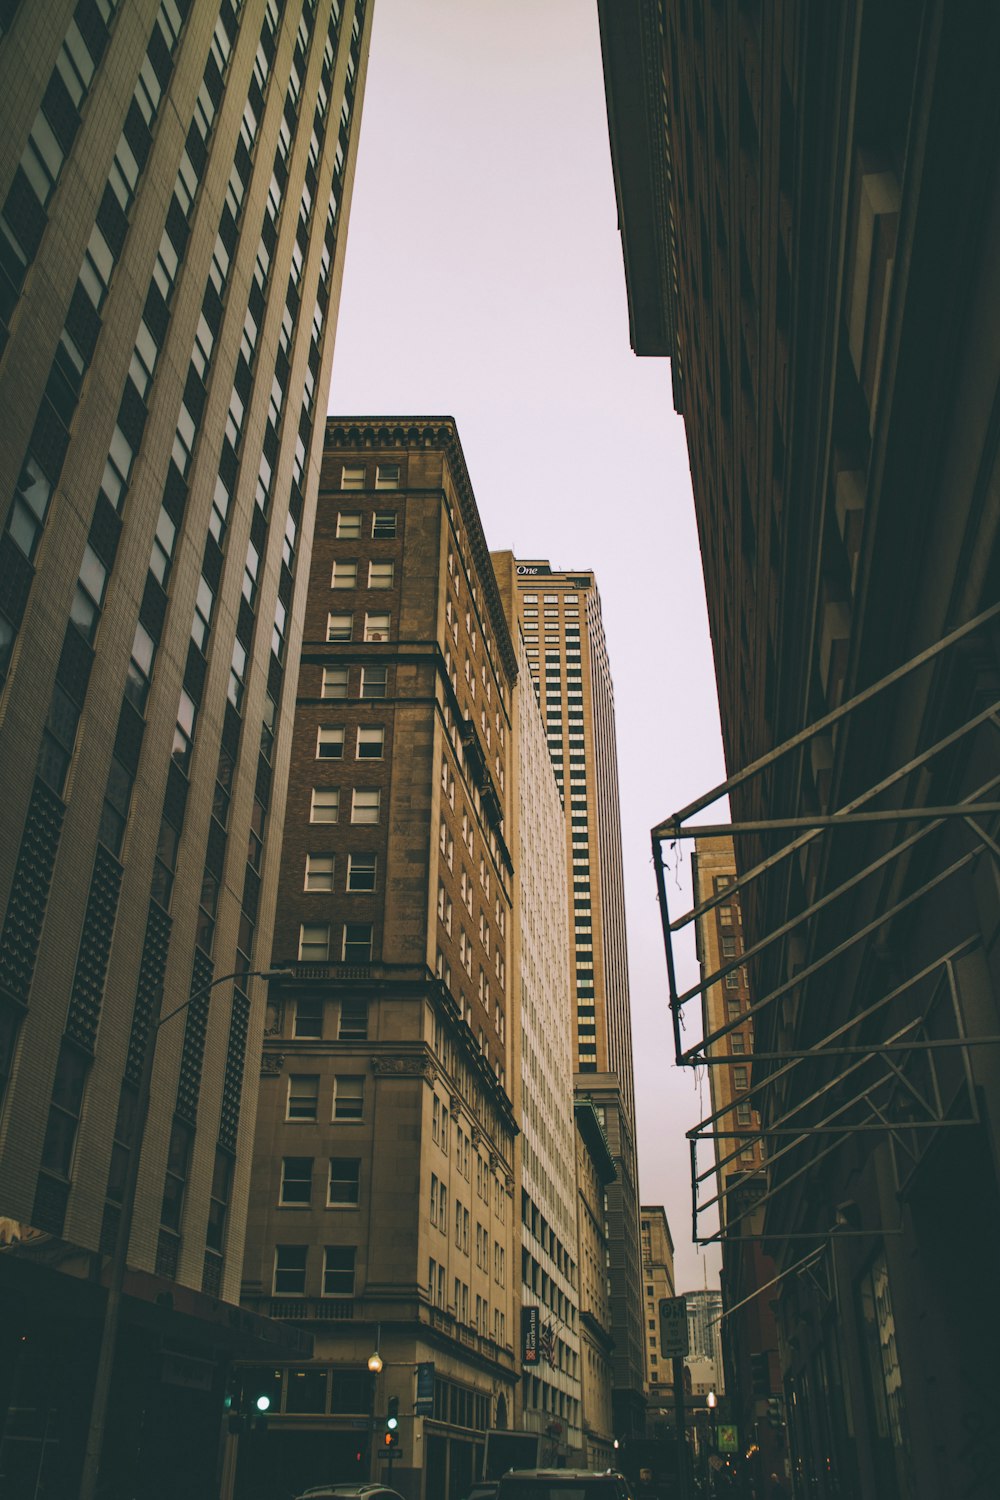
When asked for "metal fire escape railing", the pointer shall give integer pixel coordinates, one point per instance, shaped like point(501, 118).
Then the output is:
point(898, 1065)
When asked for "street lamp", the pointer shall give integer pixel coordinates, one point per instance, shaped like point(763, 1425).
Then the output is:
point(375, 1358)
point(119, 1258)
point(712, 1401)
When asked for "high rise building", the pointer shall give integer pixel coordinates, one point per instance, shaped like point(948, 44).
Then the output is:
point(704, 1314)
point(382, 1213)
point(809, 198)
point(595, 1169)
point(542, 1074)
point(175, 177)
point(560, 615)
point(658, 1283)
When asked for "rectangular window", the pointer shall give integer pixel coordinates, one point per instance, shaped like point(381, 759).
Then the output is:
point(384, 525)
point(314, 942)
point(353, 1019)
point(380, 575)
point(352, 477)
point(329, 742)
point(377, 627)
point(338, 1271)
point(339, 627)
point(348, 1096)
point(344, 1187)
point(303, 1096)
point(374, 682)
point(344, 575)
point(387, 476)
point(319, 872)
point(308, 1016)
point(357, 942)
point(290, 1270)
point(366, 804)
point(296, 1180)
point(348, 524)
point(361, 872)
point(334, 684)
point(325, 805)
point(371, 743)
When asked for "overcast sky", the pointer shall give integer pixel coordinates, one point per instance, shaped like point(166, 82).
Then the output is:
point(484, 281)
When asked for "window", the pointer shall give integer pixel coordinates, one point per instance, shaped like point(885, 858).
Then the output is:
point(308, 1016)
point(352, 477)
point(353, 1020)
point(303, 1096)
point(371, 743)
point(384, 525)
point(374, 682)
point(357, 942)
point(345, 575)
point(290, 1270)
point(344, 1186)
point(325, 805)
point(319, 872)
point(329, 742)
point(348, 524)
point(314, 942)
point(140, 667)
point(334, 684)
point(361, 872)
point(296, 1179)
point(348, 1096)
point(380, 575)
point(366, 804)
point(387, 476)
point(338, 1271)
point(339, 627)
point(377, 627)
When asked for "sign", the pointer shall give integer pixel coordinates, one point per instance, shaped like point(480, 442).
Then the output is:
point(727, 1439)
point(673, 1327)
point(532, 570)
point(423, 1406)
point(531, 1353)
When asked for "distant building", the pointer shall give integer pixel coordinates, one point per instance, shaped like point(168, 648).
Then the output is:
point(382, 1206)
point(560, 615)
point(595, 1170)
point(658, 1283)
point(175, 178)
point(542, 1072)
point(704, 1312)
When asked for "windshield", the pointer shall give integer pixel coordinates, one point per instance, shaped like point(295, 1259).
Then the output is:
point(557, 1489)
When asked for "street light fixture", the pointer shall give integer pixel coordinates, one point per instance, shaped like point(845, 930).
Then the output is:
point(119, 1258)
point(712, 1402)
point(375, 1358)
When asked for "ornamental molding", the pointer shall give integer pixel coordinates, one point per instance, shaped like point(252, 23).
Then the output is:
point(404, 1066)
point(271, 1064)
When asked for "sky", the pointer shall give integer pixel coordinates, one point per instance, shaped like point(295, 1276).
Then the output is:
point(484, 280)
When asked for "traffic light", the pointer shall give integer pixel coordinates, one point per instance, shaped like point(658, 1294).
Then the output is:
point(775, 1414)
point(760, 1374)
point(392, 1413)
point(391, 1439)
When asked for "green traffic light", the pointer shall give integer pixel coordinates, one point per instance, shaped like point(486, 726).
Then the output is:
point(263, 1402)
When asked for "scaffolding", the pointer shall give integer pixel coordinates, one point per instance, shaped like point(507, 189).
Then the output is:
point(898, 1063)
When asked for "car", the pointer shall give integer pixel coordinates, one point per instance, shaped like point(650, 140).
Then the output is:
point(563, 1484)
point(349, 1492)
point(485, 1491)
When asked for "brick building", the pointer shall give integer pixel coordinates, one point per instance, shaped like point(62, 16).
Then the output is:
point(382, 1208)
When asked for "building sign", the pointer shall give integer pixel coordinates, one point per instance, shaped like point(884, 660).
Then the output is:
point(673, 1327)
point(423, 1406)
point(532, 570)
point(727, 1438)
point(531, 1353)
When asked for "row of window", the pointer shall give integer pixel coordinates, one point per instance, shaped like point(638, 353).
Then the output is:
point(366, 804)
point(316, 942)
point(291, 1270)
point(354, 476)
point(350, 525)
point(340, 627)
point(344, 574)
point(343, 1182)
point(373, 682)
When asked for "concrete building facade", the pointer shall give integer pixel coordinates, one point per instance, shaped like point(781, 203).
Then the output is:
point(560, 614)
point(595, 1170)
point(382, 1210)
point(542, 1073)
point(175, 178)
point(810, 199)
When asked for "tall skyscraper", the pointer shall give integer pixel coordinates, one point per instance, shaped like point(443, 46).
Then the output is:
point(658, 1283)
point(542, 1074)
point(809, 199)
point(175, 178)
point(560, 614)
point(383, 1214)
